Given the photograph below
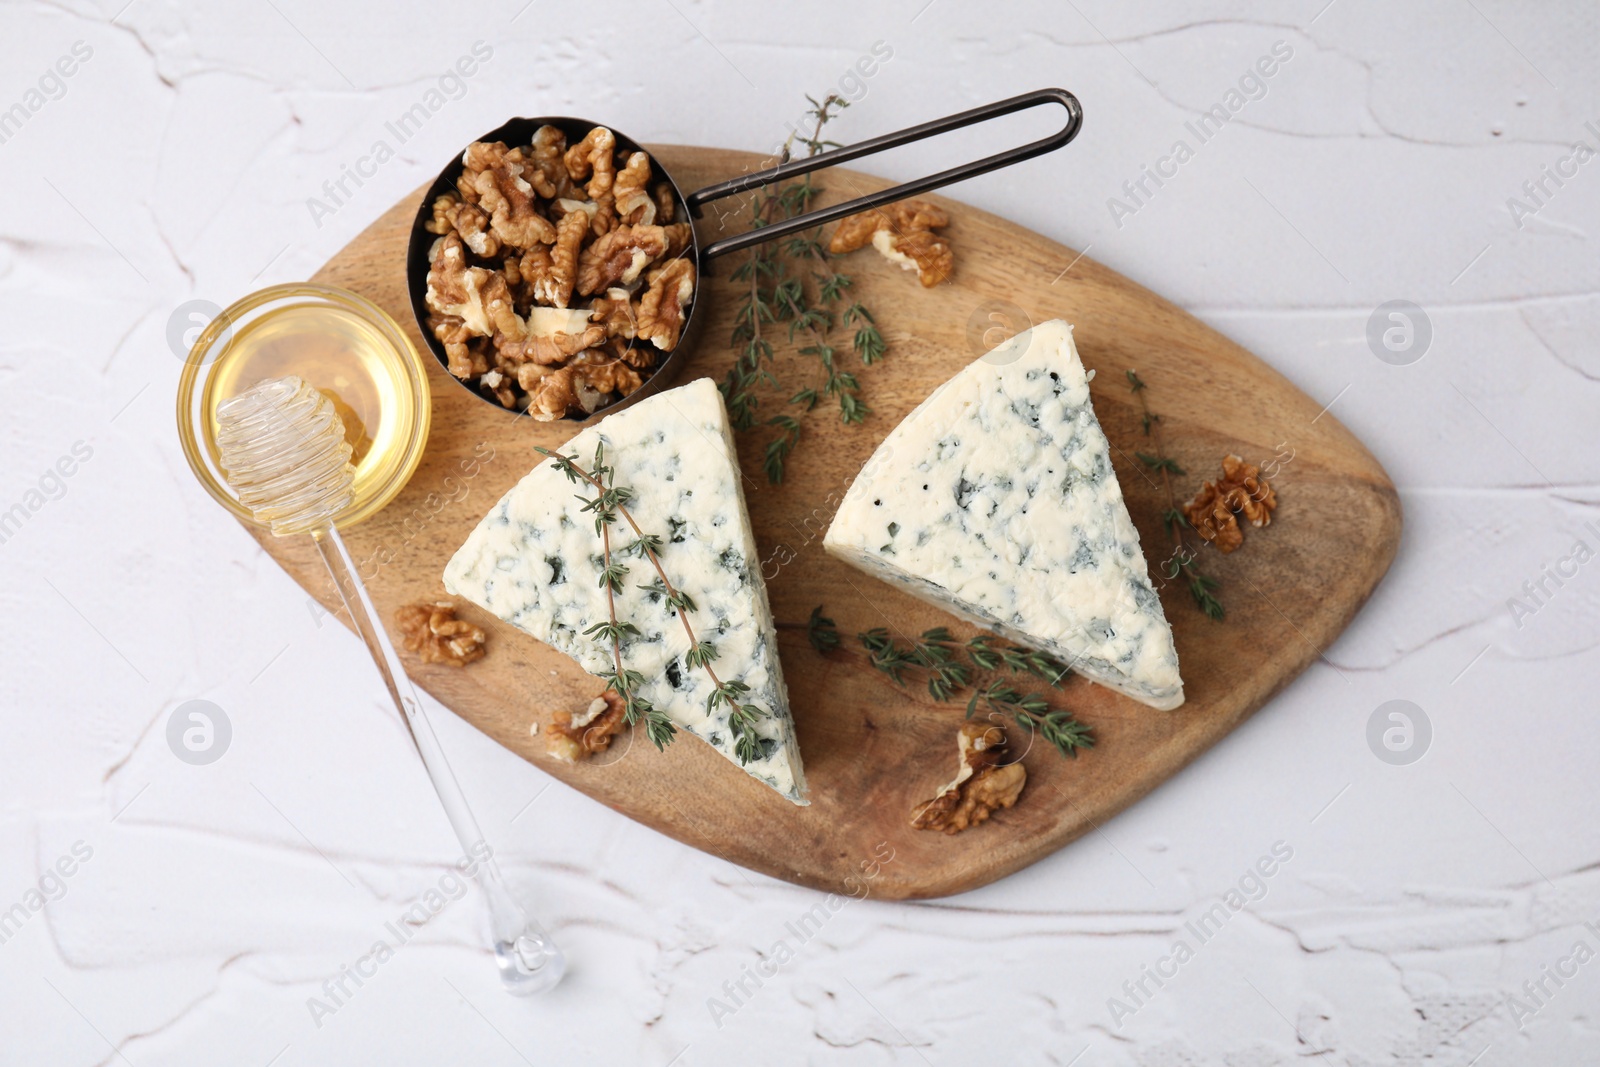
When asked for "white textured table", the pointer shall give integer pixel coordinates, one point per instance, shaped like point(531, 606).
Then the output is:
point(1430, 911)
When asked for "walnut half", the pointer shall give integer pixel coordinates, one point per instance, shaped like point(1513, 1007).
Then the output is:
point(432, 629)
point(982, 785)
point(576, 736)
point(1240, 491)
point(903, 233)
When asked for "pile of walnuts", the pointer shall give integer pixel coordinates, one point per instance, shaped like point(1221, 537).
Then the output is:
point(559, 276)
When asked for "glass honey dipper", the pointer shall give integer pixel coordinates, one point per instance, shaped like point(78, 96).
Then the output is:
point(282, 449)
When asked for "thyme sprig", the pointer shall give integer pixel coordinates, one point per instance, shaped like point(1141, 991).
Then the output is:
point(1033, 713)
point(1201, 586)
point(935, 654)
point(822, 632)
point(611, 502)
point(938, 655)
point(886, 655)
point(793, 282)
point(988, 656)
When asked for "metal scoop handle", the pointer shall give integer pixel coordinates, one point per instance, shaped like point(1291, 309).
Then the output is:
point(746, 182)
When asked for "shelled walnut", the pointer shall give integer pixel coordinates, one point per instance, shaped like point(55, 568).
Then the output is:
point(559, 276)
point(576, 736)
point(903, 233)
point(983, 784)
point(431, 629)
point(1240, 491)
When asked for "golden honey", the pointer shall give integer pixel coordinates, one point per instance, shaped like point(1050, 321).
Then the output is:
point(348, 349)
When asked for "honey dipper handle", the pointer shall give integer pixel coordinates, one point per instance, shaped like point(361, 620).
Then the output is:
point(528, 959)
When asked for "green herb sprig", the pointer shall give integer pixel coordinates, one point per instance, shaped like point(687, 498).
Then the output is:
point(793, 282)
point(610, 502)
point(989, 656)
point(1201, 586)
point(938, 655)
point(822, 632)
point(1033, 713)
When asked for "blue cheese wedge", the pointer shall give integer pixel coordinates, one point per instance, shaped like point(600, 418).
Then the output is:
point(535, 561)
point(995, 499)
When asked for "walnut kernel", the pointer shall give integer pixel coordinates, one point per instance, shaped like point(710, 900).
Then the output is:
point(578, 735)
point(903, 233)
point(1240, 491)
point(982, 785)
point(661, 312)
point(431, 629)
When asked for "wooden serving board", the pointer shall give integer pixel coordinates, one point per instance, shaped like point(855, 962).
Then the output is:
point(873, 751)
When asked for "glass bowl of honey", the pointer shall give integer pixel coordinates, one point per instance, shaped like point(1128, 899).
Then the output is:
point(344, 345)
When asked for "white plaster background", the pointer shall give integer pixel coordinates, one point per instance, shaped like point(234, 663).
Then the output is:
point(178, 164)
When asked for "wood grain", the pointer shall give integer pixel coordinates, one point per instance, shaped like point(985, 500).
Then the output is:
point(872, 751)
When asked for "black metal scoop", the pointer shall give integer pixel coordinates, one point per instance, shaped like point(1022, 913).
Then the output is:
point(520, 132)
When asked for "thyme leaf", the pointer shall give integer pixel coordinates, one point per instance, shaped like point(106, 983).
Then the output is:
point(822, 631)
